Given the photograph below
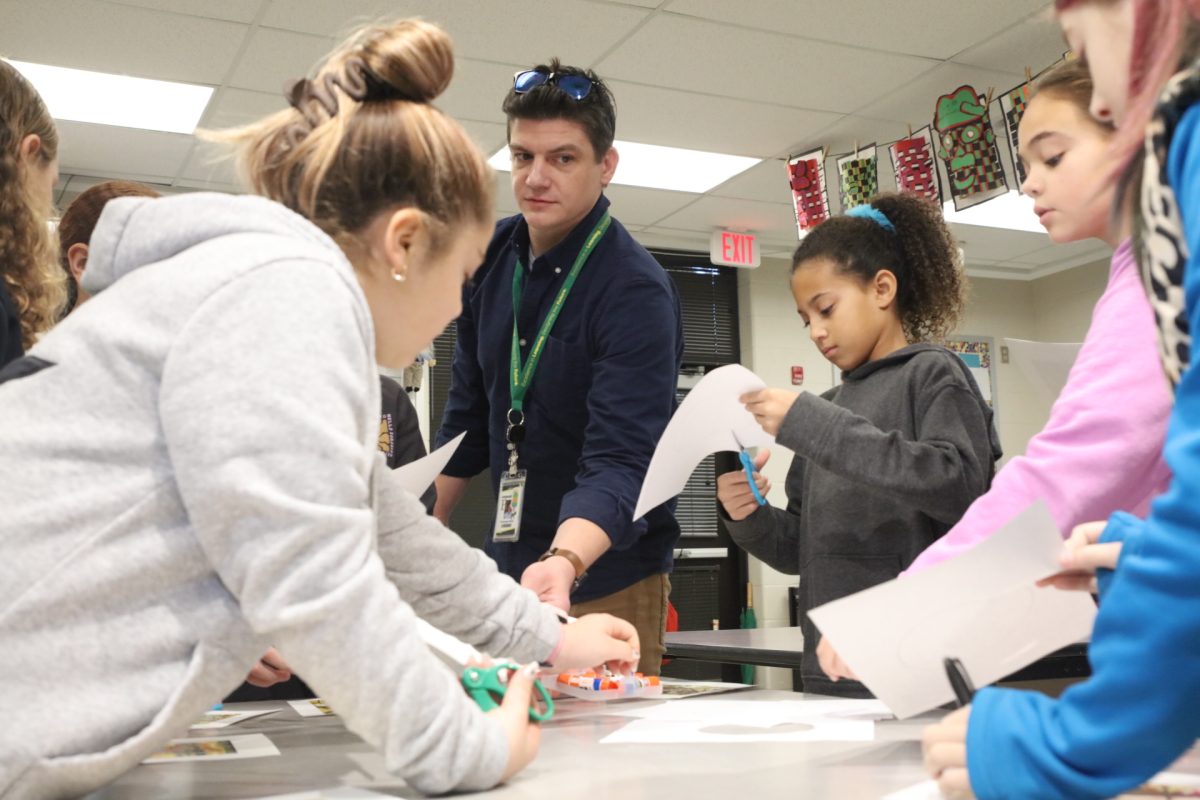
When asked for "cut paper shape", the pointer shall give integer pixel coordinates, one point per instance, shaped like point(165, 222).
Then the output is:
point(223, 719)
point(1012, 108)
point(254, 745)
point(710, 419)
point(676, 689)
point(912, 161)
point(417, 476)
point(312, 707)
point(731, 721)
point(895, 636)
point(967, 147)
point(339, 793)
point(810, 196)
point(858, 177)
point(1046, 365)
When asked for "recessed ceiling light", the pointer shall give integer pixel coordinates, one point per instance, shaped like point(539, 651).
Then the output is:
point(1012, 211)
point(655, 167)
point(98, 97)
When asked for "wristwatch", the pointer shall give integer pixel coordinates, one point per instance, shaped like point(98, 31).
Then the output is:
point(576, 562)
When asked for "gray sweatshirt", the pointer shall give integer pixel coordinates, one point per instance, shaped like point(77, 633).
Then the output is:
point(190, 474)
point(885, 464)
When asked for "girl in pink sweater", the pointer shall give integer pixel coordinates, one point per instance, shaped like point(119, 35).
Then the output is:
point(1101, 450)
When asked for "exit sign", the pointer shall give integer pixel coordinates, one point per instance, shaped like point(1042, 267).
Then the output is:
point(733, 249)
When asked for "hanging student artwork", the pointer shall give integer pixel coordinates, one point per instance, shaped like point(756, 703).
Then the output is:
point(1012, 107)
point(806, 174)
point(912, 162)
point(858, 176)
point(967, 147)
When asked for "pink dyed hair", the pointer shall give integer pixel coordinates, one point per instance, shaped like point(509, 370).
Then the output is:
point(1159, 30)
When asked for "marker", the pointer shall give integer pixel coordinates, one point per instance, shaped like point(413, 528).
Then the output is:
point(964, 690)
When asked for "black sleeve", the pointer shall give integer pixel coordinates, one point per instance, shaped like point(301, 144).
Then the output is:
point(11, 347)
point(400, 431)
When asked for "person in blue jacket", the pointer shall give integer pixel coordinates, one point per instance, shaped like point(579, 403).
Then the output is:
point(1141, 708)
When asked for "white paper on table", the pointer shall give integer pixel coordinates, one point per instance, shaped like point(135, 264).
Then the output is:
point(313, 707)
point(981, 607)
point(228, 748)
point(925, 790)
point(1046, 365)
point(338, 793)
point(709, 419)
point(223, 719)
point(417, 476)
point(731, 721)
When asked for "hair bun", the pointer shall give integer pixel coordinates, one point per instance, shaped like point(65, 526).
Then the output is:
point(413, 57)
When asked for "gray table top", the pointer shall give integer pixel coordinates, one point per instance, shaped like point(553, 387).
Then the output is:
point(318, 753)
point(768, 647)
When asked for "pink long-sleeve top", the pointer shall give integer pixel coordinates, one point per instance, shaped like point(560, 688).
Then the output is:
point(1101, 450)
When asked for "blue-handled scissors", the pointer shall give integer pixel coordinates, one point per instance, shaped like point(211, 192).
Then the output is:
point(748, 467)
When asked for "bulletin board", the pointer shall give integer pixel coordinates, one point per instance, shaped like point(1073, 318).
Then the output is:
point(977, 353)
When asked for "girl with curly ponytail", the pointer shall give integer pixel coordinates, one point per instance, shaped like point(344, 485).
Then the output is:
point(887, 461)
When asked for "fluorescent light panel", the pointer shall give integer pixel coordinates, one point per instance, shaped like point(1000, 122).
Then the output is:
point(655, 167)
point(1012, 211)
point(98, 97)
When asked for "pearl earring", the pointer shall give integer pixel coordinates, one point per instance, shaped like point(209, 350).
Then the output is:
point(399, 277)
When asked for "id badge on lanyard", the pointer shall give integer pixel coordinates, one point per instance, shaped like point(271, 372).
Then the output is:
point(509, 505)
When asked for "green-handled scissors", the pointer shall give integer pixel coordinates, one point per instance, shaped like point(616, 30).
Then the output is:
point(486, 688)
point(485, 685)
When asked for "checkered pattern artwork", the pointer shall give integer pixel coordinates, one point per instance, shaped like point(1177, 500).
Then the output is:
point(810, 198)
point(912, 162)
point(858, 177)
point(1012, 107)
point(967, 148)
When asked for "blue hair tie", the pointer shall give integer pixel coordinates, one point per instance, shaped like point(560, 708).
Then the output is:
point(867, 211)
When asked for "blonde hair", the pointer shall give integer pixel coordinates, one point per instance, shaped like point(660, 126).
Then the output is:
point(28, 253)
point(361, 137)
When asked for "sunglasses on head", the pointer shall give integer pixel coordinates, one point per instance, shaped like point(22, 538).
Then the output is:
point(575, 86)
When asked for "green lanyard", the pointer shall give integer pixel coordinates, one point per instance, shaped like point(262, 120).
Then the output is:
point(520, 377)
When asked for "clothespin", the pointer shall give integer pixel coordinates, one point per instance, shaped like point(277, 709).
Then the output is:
point(1028, 74)
point(991, 91)
point(856, 149)
point(909, 129)
point(824, 153)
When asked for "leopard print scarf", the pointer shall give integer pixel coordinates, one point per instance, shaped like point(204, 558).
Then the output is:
point(1162, 246)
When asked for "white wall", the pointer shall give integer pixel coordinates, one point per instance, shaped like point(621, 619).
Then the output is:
point(773, 339)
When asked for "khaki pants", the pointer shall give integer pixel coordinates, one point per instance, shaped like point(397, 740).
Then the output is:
point(644, 605)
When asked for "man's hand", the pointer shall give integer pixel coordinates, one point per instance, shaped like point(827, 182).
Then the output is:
point(551, 580)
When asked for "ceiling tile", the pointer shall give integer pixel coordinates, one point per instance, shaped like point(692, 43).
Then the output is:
point(578, 32)
point(774, 222)
point(656, 115)
point(275, 57)
point(766, 183)
point(1035, 43)
point(996, 245)
point(700, 56)
point(105, 151)
point(231, 10)
point(1091, 249)
point(933, 29)
point(210, 163)
point(671, 239)
point(86, 34)
point(477, 91)
point(916, 102)
point(635, 206)
point(490, 136)
point(232, 107)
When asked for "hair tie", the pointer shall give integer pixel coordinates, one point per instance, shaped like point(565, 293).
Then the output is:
point(867, 211)
point(356, 80)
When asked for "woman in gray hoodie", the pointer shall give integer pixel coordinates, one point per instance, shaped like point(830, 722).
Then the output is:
point(216, 416)
point(887, 461)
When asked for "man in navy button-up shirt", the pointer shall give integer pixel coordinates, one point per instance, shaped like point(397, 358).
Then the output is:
point(604, 387)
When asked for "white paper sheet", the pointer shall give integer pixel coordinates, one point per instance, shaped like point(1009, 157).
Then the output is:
point(223, 719)
point(709, 419)
point(417, 476)
point(732, 721)
point(313, 707)
point(1177, 781)
point(1046, 365)
point(226, 748)
point(339, 793)
point(981, 607)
